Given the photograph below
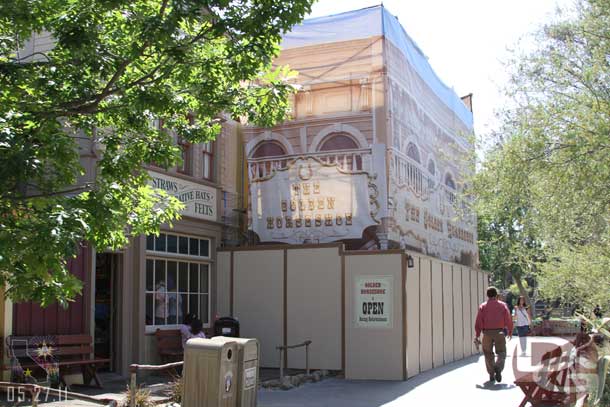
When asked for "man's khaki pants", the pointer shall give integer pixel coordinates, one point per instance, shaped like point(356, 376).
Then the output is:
point(494, 338)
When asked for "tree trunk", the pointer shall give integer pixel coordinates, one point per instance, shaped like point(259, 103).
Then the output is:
point(523, 291)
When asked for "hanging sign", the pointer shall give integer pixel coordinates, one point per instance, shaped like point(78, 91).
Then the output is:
point(374, 301)
point(199, 200)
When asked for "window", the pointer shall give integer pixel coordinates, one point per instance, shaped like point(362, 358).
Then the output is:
point(413, 153)
point(172, 244)
point(185, 148)
point(208, 161)
point(451, 184)
point(449, 181)
point(338, 142)
point(175, 288)
point(431, 168)
point(177, 279)
point(268, 149)
point(432, 171)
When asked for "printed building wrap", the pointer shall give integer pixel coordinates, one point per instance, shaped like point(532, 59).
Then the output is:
point(376, 151)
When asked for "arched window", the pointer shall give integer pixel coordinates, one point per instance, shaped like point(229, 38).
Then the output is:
point(432, 171)
point(266, 164)
point(451, 185)
point(413, 153)
point(338, 141)
point(431, 168)
point(449, 181)
point(348, 161)
point(268, 149)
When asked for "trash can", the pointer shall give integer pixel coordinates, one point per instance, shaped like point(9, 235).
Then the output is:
point(247, 368)
point(210, 373)
point(226, 326)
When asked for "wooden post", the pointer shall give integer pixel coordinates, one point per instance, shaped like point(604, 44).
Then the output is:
point(281, 365)
point(307, 358)
point(133, 369)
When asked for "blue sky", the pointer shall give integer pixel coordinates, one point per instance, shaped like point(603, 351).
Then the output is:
point(465, 41)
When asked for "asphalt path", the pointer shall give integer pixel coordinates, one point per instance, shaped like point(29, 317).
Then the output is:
point(461, 383)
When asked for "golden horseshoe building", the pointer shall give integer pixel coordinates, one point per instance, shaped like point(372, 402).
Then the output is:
point(375, 153)
point(373, 157)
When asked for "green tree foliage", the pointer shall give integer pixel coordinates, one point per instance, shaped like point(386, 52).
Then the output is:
point(548, 177)
point(115, 66)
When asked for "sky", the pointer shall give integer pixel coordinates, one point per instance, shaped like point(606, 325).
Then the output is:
point(465, 41)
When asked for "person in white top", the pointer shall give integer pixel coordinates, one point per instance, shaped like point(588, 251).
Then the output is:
point(523, 322)
point(196, 331)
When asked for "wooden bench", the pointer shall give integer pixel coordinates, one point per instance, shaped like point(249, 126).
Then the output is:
point(548, 383)
point(65, 352)
point(169, 345)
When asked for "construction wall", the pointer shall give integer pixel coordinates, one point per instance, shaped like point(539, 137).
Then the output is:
point(374, 351)
point(285, 295)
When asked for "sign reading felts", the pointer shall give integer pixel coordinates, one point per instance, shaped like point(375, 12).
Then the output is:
point(373, 301)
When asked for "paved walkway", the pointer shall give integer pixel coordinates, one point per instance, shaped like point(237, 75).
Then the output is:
point(456, 384)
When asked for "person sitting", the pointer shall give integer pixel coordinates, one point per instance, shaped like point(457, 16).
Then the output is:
point(185, 327)
point(196, 331)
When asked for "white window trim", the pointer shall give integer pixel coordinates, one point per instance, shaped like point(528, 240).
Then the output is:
point(182, 255)
point(155, 256)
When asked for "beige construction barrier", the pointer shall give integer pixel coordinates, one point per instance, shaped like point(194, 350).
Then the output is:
point(366, 312)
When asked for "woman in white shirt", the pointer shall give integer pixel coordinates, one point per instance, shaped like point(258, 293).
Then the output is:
point(185, 328)
point(523, 322)
point(196, 331)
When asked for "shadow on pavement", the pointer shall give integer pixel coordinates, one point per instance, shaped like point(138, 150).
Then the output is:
point(495, 386)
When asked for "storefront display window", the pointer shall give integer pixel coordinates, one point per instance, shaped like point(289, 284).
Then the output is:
point(177, 281)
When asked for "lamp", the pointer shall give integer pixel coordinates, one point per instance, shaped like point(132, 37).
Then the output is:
point(409, 261)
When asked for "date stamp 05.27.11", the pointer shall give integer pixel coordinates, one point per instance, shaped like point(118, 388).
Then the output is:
point(17, 395)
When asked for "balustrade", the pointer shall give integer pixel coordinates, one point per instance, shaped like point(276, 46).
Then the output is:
point(350, 161)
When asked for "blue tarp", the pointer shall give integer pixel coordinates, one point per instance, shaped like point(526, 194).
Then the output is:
point(370, 22)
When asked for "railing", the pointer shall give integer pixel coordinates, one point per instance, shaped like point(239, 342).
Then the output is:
point(408, 172)
point(133, 383)
point(349, 161)
point(285, 349)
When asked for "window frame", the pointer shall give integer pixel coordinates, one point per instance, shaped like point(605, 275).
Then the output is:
point(151, 328)
point(186, 148)
point(205, 153)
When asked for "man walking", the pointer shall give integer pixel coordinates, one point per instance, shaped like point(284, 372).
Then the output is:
point(493, 317)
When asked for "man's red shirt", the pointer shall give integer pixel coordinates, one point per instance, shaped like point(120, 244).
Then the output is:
point(493, 314)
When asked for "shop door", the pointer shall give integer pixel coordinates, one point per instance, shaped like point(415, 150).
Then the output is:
point(106, 268)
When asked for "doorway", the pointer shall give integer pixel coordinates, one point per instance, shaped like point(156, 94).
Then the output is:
point(106, 274)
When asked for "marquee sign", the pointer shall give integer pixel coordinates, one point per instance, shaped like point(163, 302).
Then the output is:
point(312, 202)
point(373, 301)
point(199, 200)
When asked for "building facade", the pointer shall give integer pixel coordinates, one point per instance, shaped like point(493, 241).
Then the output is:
point(377, 151)
point(374, 156)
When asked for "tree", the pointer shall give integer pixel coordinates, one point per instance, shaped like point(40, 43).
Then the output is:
point(115, 66)
point(553, 154)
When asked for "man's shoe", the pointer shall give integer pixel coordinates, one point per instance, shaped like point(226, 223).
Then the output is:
point(498, 377)
point(491, 378)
